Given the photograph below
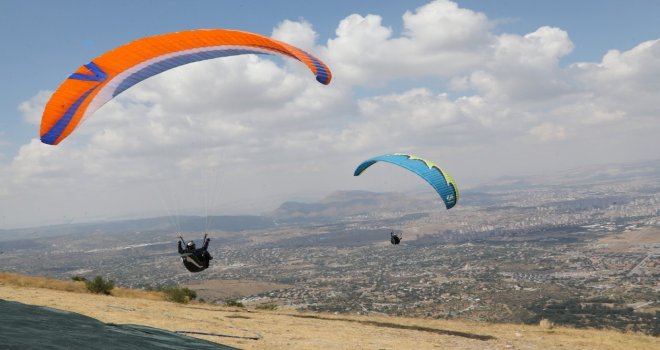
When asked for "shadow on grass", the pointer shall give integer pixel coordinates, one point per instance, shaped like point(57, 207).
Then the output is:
point(400, 326)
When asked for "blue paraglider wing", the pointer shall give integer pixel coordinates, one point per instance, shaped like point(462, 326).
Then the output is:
point(442, 182)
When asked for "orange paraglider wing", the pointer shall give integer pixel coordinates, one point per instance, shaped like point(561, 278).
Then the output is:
point(108, 75)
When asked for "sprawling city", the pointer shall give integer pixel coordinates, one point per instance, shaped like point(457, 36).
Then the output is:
point(584, 255)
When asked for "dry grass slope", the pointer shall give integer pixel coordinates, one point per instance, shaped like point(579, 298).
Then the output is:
point(288, 329)
point(73, 286)
point(42, 282)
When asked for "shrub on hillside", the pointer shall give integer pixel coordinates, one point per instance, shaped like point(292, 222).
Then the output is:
point(79, 279)
point(99, 285)
point(267, 306)
point(179, 294)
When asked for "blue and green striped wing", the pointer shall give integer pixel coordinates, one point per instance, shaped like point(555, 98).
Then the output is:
point(442, 182)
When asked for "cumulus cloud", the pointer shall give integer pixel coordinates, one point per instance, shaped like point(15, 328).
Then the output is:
point(32, 109)
point(624, 81)
point(300, 34)
point(202, 117)
point(524, 68)
point(439, 39)
point(516, 89)
point(400, 120)
point(261, 127)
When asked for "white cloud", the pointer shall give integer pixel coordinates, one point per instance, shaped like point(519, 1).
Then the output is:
point(625, 81)
point(540, 49)
point(524, 68)
point(264, 130)
point(33, 108)
point(299, 34)
point(402, 120)
point(443, 25)
point(439, 39)
point(35, 162)
point(218, 112)
point(548, 132)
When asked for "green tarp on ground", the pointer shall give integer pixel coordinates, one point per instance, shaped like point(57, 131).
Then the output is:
point(35, 327)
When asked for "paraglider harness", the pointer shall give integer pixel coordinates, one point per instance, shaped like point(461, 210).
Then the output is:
point(195, 260)
point(395, 238)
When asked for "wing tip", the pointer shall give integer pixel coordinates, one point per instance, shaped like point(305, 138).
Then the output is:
point(323, 79)
point(48, 140)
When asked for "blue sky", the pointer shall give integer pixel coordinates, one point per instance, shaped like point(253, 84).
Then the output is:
point(581, 99)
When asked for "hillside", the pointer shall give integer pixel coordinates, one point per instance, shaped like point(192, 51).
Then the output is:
point(288, 329)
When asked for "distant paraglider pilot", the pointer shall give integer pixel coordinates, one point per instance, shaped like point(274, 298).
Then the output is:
point(193, 258)
point(395, 238)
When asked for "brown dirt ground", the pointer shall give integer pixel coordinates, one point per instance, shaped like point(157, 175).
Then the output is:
point(288, 329)
point(220, 290)
point(626, 241)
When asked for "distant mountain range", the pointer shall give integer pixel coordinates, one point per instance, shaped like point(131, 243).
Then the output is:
point(346, 204)
point(341, 204)
point(352, 203)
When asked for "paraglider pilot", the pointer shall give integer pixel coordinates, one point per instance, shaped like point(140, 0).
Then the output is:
point(395, 238)
point(193, 258)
